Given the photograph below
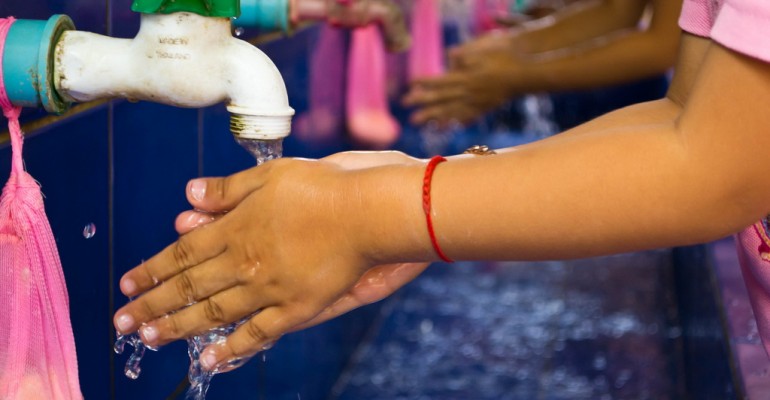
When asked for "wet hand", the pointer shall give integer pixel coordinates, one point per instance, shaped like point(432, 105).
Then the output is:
point(265, 254)
point(483, 75)
point(204, 213)
point(461, 95)
point(230, 276)
point(378, 282)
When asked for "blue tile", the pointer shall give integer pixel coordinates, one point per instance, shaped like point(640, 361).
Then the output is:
point(124, 22)
point(155, 154)
point(88, 15)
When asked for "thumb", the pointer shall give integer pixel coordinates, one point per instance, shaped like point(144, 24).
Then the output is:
point(216, 195)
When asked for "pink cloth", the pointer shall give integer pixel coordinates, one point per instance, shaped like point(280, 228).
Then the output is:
point(426, 57)
point(368, 114)
point(37, 347)
point(486, 13)
point(740, 25)
point(754, 256)
point(324, 118)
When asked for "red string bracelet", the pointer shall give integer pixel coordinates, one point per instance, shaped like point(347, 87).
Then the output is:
point(426, 181)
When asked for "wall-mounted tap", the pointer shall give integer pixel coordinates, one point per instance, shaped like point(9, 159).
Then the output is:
point(183, 55)
point(182, 59)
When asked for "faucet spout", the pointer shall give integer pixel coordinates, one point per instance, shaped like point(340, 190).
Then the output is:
point(181, 59)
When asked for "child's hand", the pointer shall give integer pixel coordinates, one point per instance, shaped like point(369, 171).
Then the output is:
point(288, 248)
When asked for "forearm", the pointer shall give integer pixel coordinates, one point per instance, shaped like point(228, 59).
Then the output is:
point(625, 57)
point(598, 193)
point(688, 177)
point(626, 53)
point(578, 23)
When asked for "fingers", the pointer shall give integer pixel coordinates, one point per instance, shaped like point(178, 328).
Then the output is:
point(376, 284)
point(223, 194)
point(191, 219)
point(257, 334)
point(344, 305)
point(445, 114)
point(186, 288)
point(220, 309)
point(426, 96)
point(451, 78)
point(191, 249)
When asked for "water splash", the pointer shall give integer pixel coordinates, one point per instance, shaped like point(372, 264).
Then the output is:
point(436, 139)
point(538, 116)
point(262, 150)
point(132, 368)
point(200, 379)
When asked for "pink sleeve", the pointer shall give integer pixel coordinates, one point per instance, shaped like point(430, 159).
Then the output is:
point(744, 26)
point(697, 17)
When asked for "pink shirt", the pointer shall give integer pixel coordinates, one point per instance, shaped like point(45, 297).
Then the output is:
point(740, 25)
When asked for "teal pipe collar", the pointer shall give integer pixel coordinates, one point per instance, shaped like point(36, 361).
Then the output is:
point(28, 61)
point(264, 14)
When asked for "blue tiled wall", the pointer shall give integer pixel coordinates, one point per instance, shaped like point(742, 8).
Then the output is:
point(123, 167)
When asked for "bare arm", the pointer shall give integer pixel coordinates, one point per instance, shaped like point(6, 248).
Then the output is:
point(616, 57)
point(695, 177)
point(483, 80)
point(578, 23)
point(692, 50)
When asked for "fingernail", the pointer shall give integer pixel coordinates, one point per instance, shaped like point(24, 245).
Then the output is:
point(198, 189)
point(197, 219)
point(127, 286)
point(150, 334)
point(208, 360)
point(124, 322)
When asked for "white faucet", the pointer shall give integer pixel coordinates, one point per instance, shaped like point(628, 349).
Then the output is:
point(181, 59)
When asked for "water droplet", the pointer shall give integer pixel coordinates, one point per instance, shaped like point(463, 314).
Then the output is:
point(133, 374)
point(238, 31)
point(89, 231)
point(268, 346)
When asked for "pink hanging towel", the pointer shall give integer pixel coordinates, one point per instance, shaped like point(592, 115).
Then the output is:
point(37, 348)
point(324, 117)
point(486, 14)
point(754, 255)
point(426, 57)
point(368, 115)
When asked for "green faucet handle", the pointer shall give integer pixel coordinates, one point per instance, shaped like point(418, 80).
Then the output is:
point(208, 8)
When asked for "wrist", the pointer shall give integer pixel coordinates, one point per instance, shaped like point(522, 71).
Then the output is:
point(389, 221)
